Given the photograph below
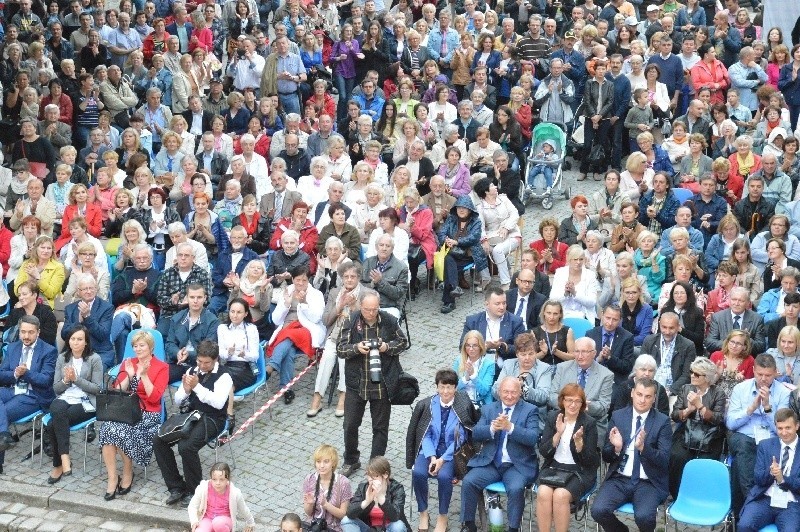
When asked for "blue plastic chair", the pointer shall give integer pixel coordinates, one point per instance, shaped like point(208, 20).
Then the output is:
point(84, 426)
point(682, 194)
point(579, 326)
point(31, 418)
point(470, 268)
point(158, 350)
point(7, 309)
point(696, 504)
point(261, 379)
point(769, 528)
point(215, 444)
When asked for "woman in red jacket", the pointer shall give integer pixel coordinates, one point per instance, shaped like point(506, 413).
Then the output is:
point(79, 205)
point(156, 42)
point(710, 72)
point(552, 252)
point(201, 35)
point(320, 98)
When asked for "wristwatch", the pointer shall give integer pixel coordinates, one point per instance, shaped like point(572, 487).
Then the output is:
point(768, 410)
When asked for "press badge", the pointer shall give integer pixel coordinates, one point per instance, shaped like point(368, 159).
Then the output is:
point(20, 388)
point(622, 463)
point(779, 498)
point(87, 404)
point(761, 433)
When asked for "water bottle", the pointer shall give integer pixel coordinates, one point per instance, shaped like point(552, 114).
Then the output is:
point(495, 514)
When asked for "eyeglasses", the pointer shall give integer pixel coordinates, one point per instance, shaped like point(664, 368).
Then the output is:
point(472, 346)
point(695, 374)
point(572, 400)
point(735, 342)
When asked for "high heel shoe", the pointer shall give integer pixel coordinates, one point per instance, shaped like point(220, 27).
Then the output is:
point(125, 491)
point(111, 495)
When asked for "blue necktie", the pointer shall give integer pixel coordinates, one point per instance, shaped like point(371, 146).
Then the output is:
point(519, 307)
point(501, 440)
point(785, 457)
point(169, 164)
point(636, 463)
point(607, 339)
point(582, 378)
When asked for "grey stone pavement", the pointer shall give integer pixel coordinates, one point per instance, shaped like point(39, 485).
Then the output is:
point(272, 462)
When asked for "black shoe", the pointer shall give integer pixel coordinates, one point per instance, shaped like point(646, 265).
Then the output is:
point(457, 291)
point(288, 397)
point(175, 496)
point(6, 441)
point(469, 526)
point(349, 469)
point(53, 480)
point(125, 491)
point(185, 501)
point(447, 308)
point(90, 437)
point(111, 495)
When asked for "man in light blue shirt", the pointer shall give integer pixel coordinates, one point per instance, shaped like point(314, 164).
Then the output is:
point(751, 419)
point(123, 41)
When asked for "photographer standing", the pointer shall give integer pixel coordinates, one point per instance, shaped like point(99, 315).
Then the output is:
point(247, 67)
point(370, 343)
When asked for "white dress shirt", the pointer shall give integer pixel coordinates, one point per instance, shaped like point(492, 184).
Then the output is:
point(628, 470)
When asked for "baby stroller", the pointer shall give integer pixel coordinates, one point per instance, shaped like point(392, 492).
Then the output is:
point(556, 135)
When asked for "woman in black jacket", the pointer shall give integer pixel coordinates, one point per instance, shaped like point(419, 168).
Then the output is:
point(570, 429)
point(28, 305)
point(423, 450)
point(699, 414)
point(596, 107)
point(365, 507)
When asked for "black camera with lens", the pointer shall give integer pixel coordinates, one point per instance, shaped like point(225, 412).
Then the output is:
point(240, 53)
point(374, 360)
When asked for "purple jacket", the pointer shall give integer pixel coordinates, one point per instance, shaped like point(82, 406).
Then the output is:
point(461, 183)
point(346, 68)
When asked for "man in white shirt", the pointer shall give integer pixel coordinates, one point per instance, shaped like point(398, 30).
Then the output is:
point(246, 69)
point(177, 233)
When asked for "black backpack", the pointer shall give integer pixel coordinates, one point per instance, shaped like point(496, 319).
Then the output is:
point(406, 389)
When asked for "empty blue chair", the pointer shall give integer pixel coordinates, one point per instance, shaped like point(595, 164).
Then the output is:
point(261, 380)
point(84, 426)
point(698, 505)
point(769, 528)
point(34, 418)
point(579, 326)
point(682, 194)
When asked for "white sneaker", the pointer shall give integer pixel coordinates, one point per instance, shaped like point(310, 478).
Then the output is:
point(548, 191)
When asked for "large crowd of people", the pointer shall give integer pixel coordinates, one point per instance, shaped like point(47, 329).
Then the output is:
point(281, 178)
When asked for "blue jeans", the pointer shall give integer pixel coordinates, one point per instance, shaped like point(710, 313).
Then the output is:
point(81, 137)
point(265, 7)
point(14, 407)
point(419, 479)
point(218, 303)
point(545, 170)
point(290, 103)
point(282, 360)
point(345, 87)
point(357, 525)
point(121, 325)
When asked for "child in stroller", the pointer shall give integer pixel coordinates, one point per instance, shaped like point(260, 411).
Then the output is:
point(544, 160)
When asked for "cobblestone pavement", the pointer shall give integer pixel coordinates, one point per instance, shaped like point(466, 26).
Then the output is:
point(272, 462)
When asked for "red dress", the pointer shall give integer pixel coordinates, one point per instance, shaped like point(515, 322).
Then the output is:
point(94, 221)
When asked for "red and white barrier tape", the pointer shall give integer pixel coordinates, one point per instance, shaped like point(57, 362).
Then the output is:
point(280, 393)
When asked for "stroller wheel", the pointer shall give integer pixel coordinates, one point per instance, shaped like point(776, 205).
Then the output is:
point(567, 192)
point(547, 202)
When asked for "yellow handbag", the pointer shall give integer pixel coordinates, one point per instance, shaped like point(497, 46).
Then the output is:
point(438, 262)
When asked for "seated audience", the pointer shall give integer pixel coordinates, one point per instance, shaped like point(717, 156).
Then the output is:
point(28, 305)
point(556, 341)
point(95, 314)
point(645, 367)
point(378, 500)
point(387, 275)
point(475, 369)
point(186, 329)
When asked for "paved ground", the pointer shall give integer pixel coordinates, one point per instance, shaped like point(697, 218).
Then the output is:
point(270, 464)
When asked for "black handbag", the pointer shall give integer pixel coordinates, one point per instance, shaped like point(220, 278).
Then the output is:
point(178, 426)
point(119, 406)
point(597, 155)
point(458, 253)
point(462, 456)
point(698, 436)
point(406, 389)
point(555, 477)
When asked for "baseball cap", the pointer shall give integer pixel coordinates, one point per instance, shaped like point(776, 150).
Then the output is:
point(215, 80)
point(570, 35)
point(631, 21)
point(652, 7)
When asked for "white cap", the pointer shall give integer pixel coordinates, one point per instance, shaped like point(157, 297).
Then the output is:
point(631, 21)
point(652, 7)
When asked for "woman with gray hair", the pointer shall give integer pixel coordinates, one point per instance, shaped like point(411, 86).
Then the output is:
point(699, 412)
point(644, 368)
point(449, 139)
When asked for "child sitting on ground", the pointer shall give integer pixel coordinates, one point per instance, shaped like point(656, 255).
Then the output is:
point(546, 155)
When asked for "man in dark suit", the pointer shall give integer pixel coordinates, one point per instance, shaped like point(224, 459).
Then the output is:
point(210, 161)
point(667, 346)
point(637, 453)
point(26, 379)
point(738, 316)
point(182, 28)
point(615, 344)
point(229, 263)
point(777, 478)
point(198, 119)
point(523, 301)
point(278, 203)
point(509, 430)
point(498, 326)
point(96, 315)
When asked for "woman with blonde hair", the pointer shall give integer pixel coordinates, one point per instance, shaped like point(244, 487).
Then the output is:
point(325, 493)
point(637, 177)
point(131, 234)
point(178, 125)
point(340, 167)
point(475, 368)
point(254, 287)
point(43, 268)
point(86, 266)
point(355, 190)
point(786, 355)
point(365, 215)
point(576, 286)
